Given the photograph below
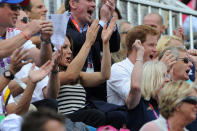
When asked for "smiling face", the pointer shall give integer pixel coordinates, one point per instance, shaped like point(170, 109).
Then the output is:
point(150, 47)
point(189, 110)
point(8, 15)
point(180, 70)
point(38, 10)
point(83, 10)
point(67, 54)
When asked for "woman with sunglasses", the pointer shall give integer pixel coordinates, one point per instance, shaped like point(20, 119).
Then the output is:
point(177, 105)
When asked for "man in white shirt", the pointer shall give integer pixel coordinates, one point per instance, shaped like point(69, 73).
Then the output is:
point(141, 45)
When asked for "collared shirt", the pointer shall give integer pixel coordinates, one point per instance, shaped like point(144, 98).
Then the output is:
point(118, 86)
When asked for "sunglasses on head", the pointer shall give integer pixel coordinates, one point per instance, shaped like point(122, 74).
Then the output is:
point(25, 19)
point(14, 7)
point(185, 60)
point(190, 100)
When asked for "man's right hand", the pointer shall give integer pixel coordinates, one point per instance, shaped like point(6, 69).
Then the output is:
point(139, 48)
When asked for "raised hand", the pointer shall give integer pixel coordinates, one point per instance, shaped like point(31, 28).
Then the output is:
point(193, 55)
point(92, 32)
point(107, 10)
point(168, 59)
point(17, 60)
point(137, 45)
point(179, 33)
point(46, 30)
point(37, 75)
point(107, 31)
point(56, 58)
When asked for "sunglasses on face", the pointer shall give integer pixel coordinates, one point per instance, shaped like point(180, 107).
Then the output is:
point(185, 60)
point(14, 7)
point(190, 100)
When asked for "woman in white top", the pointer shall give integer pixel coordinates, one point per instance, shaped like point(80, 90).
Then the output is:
point(177, 105)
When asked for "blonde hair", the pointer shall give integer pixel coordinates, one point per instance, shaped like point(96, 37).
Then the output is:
point(166, 41)
point(152, 78)
point(171, 95)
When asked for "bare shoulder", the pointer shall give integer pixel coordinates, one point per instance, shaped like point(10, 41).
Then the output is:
point(150, 126)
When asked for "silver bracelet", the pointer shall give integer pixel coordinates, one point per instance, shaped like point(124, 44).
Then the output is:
point(139, 60)
point(45, 42)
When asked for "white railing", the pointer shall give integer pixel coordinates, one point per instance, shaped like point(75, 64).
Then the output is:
point(174, 10)
point(172, 7)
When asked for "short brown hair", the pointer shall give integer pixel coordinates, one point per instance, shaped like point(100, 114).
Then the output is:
point(139, 32)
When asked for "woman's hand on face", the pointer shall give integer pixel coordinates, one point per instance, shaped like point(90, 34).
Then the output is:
point(168, 59)
point(107, 31)
point(17, 60)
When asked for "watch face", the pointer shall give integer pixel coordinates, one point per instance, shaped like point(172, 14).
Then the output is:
point(7, 73)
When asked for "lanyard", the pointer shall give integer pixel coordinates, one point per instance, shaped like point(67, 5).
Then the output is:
point(75, 23)
point(3, 103)
point(151, 106)
point(168, 126)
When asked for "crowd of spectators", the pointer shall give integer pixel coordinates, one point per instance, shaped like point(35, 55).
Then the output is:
point(107, 75)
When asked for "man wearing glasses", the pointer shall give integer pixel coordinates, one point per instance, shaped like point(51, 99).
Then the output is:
point(12, 38)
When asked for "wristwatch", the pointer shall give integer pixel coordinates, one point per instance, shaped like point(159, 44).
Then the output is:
point(8, 74)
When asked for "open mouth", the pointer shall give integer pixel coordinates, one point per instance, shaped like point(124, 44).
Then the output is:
point(68, 59)
point(187, 71)
point(90, 12)
point(151, 57)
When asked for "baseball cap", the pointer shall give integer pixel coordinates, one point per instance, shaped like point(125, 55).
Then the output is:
point(11, 1)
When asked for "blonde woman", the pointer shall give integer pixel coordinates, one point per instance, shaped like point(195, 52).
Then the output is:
point(154, 76)
point(178, 107)
point(166, 41)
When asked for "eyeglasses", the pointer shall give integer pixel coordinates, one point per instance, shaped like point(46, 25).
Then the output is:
point(14, 7)
point(190, 100)
point(185, 60)
point(25, 19)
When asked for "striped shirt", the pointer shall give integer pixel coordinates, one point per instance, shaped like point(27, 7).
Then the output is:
point(71, 98)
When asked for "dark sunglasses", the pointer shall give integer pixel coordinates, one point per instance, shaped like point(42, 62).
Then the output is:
point(14, 7)
point(190, 100)
point(25, 20)
point(185, 60)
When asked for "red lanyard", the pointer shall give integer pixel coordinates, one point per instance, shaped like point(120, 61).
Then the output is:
point(151, 106)
point(75, 23)
point(168, 126)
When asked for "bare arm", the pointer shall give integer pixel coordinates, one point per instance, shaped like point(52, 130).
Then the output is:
point(96, 78)
point(52, 89)
point(134, 96)
point(74, 68)
point(9, 45)
point(45, 52)
point(34, 77)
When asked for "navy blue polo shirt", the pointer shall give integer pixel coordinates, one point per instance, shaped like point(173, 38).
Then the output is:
point(142, 114)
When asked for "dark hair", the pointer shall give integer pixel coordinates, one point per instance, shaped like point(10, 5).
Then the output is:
point(2, 4)
point(118, 12)
point(27, 7)
point(35, 121)
point(67, 5)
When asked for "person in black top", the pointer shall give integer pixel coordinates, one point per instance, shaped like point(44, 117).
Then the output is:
point(81, 14)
